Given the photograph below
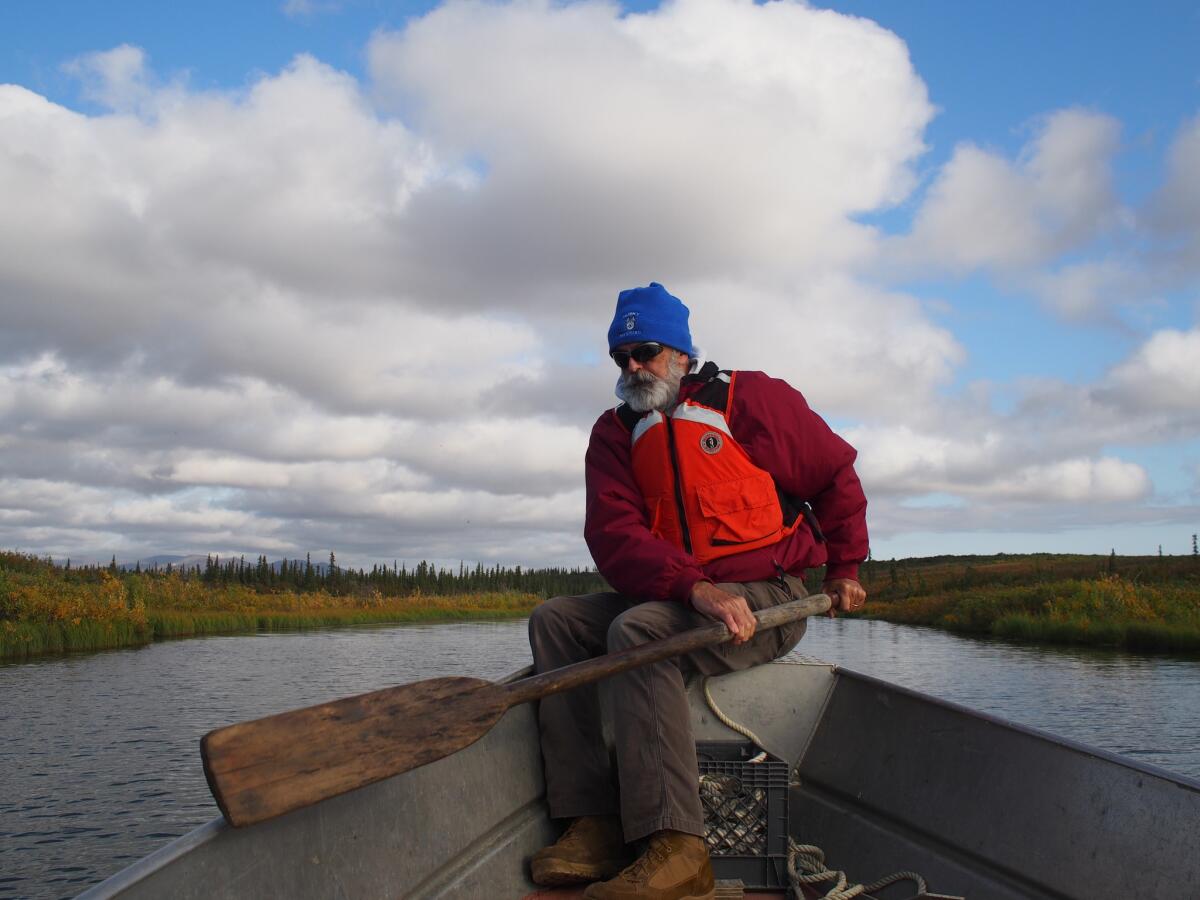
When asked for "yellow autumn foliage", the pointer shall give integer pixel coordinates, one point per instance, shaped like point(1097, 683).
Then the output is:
point(44, 609)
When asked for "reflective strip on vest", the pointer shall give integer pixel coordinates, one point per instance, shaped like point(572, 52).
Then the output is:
point(702, 414)
point(647, 422)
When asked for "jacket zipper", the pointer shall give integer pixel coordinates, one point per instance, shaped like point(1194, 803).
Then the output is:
point(683, 523)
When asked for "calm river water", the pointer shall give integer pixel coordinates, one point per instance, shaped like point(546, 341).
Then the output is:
point(99, 759)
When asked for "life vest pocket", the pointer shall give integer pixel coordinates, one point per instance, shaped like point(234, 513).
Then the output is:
point(741, 511)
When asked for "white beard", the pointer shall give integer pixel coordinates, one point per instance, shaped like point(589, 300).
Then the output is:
point(644, 391)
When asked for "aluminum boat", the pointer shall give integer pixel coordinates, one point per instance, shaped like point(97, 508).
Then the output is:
point(880, 777)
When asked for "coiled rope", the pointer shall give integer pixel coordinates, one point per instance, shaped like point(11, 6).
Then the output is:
point(806, 865)
point(806, 862)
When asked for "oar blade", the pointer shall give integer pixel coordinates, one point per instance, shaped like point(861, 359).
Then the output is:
point(261, 769)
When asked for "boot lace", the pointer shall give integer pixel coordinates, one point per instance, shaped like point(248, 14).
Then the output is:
point(656, 854)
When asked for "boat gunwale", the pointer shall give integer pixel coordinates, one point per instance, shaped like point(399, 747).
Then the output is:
point(156, 860)
point(1030, 730)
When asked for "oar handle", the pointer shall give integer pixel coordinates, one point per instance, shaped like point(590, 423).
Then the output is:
point(572, 676)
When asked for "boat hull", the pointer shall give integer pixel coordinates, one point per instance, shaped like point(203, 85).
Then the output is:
point(458, 827)
point(886, 779)
point(894, 780)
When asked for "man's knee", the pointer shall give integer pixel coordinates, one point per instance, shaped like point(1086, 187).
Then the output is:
point(639, 624)
point(621, 633)
point(548, 618)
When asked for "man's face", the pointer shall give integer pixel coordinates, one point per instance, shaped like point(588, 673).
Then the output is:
point(653, 384)
point(658, 366)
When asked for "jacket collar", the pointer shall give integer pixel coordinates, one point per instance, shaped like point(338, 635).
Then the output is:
point(701, 372)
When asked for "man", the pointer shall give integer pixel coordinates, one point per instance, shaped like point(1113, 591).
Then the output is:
point(708, 495)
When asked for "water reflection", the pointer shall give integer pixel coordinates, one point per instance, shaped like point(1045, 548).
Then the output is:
point(99, 754)
point(99, 761)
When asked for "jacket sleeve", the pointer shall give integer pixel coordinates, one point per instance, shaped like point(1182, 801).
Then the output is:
point(617, 529)
point(773, 421)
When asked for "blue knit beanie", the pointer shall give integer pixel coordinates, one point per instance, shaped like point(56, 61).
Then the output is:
point(650, 314)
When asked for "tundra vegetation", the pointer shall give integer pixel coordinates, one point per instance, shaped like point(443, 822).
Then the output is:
point(45, 608)
point(1139, 603)
point(1145, 603)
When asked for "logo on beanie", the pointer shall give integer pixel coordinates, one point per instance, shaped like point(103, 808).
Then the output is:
point(630, 321)
point(710, 442)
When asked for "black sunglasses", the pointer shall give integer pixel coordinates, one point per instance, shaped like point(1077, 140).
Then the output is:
point(643, 353)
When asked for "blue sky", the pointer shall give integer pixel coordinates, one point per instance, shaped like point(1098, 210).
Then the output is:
point(1006, 347)
point(990, 67)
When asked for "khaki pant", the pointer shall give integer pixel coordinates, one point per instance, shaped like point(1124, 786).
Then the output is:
point(647, 706)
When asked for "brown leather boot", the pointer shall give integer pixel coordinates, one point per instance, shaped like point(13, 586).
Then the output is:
point(674, 867)
point(592, 847)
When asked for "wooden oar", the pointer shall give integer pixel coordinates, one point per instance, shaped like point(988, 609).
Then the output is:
point(261, 769)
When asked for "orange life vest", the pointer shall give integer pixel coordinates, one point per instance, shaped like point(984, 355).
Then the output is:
point(703, 493)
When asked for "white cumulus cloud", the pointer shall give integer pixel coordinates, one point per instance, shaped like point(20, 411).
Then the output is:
point(314, 312)
point(986, 211)
point(699, 140)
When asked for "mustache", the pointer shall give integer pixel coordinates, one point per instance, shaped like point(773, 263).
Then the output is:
point(644, 391)
point(640, 377)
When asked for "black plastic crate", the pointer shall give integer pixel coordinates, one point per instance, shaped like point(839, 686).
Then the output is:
point(745, 813)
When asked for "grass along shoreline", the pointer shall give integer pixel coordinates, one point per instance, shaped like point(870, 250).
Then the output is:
point(23, 639)
point(28, 639)
point(45, 610)
point(1142, 604)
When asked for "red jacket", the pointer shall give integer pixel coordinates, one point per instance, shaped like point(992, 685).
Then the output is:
point(773, 423)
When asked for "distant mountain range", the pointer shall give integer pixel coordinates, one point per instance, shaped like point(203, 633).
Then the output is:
point(164, 560)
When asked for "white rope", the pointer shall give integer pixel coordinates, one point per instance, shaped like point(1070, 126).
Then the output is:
point(922, 887)
point(806, 865)
point(728, 722)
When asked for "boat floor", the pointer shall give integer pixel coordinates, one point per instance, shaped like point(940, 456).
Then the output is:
point(576, 893)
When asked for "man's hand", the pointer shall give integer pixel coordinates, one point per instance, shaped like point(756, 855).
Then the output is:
point(734, 611)
point(847, 595)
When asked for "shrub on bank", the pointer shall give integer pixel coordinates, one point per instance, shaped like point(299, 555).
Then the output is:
point(40, 612)
point(47, 610)
point(1104, 611)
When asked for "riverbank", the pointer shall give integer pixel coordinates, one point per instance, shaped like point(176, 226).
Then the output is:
point(24, 639)
point(46, 610)
point(1144, 604)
